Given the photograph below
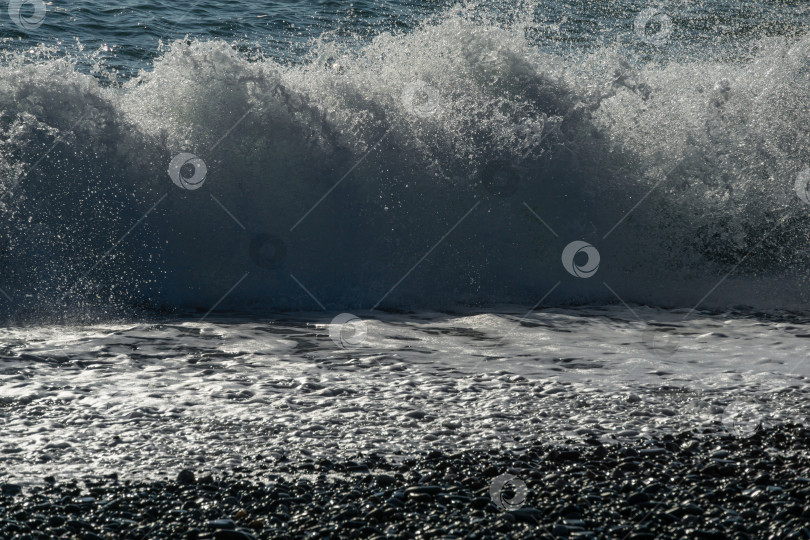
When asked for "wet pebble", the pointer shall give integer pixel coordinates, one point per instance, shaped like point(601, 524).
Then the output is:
point(668, 487)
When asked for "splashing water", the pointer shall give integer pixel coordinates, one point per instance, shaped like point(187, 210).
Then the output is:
point(447, 165)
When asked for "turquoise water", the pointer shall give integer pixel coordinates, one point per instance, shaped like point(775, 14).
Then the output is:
point(128, 33)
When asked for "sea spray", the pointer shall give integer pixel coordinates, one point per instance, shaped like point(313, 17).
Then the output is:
point(677, 172)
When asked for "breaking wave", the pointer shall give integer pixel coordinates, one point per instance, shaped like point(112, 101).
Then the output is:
point(448, 166)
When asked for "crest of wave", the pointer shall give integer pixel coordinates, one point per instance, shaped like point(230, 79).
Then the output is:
point(456, 137)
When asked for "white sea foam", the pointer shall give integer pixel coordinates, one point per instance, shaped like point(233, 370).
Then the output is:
point(149, 399)
point(704, 153)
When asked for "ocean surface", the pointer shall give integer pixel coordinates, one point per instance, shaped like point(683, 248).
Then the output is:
point(229, 228)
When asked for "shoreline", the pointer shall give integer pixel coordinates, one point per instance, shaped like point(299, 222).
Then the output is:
point(698, 485)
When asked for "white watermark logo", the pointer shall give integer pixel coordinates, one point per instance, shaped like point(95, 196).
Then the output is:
point(420, 98)
point(17, 8)
point(187, 171)
point(661, 340)
point(348, 330)
point(802, 185)
point(653, 26)
point(742, 418)
point(500, 178)
point(497, 492)
point(586, 269)
point(267, 251)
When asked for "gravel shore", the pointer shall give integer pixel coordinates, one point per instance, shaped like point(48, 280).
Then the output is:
point(690, 484)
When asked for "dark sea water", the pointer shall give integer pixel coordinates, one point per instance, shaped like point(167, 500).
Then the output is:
point(226, 225)
point(129, 33)
point(332, 147)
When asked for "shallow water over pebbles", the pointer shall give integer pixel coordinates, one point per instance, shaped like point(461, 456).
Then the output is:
point(146, 399)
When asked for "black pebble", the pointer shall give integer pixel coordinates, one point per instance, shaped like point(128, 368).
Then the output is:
point(186, 477)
